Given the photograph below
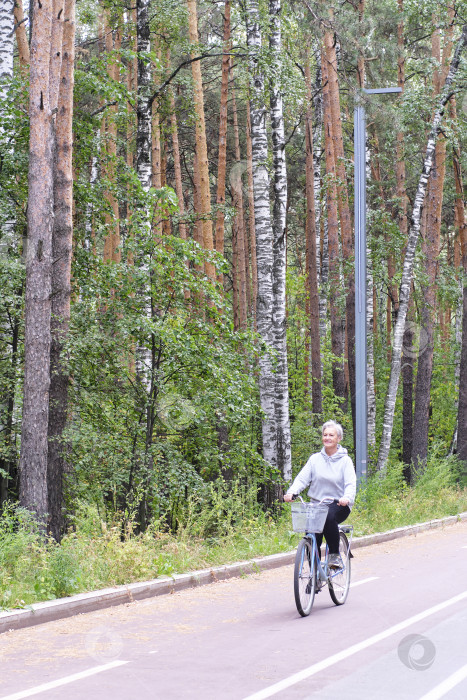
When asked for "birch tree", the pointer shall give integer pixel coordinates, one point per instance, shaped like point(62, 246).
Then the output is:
point(284, 457)
point(143, 132)
point(239, 259)
point(413, 236)
point(7, 231)
point(263, 230)
point(7, 38)
point(430, 245)
point(251, 216)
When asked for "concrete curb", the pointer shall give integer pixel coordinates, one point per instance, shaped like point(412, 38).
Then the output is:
point(108, 597)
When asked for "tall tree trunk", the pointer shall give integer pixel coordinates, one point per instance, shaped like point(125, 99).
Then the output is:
point(177, 168)
point(7, 25)
point(430, 249)
point(62, 244)
point(392, 303)
point(56, 52)
point(7, 38)
point(112, 218)
point(311, 255)
point(201, 143)
point(263, 228)
point(321, 234)
point(408, 361)
point(7, 391)
point(462, 379)
point(251, 217)
point(407, 273)
point(337, 322)
point(284, 456)
point(239, 254)
point(407, 391)
point(143, 131)
point(156, 159)
point(21, 38)
point(222, 155)
point(33, 458)
point(344, 210)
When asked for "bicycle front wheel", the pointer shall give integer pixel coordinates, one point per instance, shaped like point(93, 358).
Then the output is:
point(339, 582)
point(304, 578)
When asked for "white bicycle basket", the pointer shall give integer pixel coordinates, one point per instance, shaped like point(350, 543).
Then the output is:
point(308, 517)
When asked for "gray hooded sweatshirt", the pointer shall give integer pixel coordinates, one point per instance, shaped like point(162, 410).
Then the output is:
point(329, 478)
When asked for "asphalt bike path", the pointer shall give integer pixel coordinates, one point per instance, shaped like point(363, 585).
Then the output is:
point(402, 633)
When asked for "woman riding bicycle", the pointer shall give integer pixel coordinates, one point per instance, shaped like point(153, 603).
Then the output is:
point(330, 474)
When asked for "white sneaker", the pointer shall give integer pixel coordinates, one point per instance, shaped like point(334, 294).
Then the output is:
point(335, 561)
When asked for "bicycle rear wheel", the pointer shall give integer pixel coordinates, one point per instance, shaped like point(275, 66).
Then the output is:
point(339, 582)
point(304, 578)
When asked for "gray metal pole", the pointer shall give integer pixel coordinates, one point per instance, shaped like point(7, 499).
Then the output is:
point(361, 397)
point(360, 294)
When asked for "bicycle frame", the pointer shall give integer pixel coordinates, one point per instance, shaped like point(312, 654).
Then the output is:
point(323, 573)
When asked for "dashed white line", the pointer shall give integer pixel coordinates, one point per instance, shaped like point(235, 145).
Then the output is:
point(63, 681)
point(440, 690)
point(363, 580)
point(354, 649)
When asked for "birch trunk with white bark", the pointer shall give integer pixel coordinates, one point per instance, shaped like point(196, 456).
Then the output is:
point(240, 276)
point(7, 24)
point(251, 218)
point(263, 229)
point(7, 40)
point(431, 249)
point(143, 129)
point(407, 272)
point(283, 438)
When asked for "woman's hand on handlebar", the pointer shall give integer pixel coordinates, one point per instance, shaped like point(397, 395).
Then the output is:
point(288, 497)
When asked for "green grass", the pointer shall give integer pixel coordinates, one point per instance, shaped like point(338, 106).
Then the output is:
point(224, 526)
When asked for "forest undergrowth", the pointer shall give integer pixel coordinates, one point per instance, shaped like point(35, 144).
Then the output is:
point(226, 525)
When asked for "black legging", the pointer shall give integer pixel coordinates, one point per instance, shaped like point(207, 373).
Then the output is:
point(336, 514)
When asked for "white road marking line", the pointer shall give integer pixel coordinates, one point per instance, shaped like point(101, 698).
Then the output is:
point(63, 681)
point(364, 580)
point(440, 690)
point(354, 649)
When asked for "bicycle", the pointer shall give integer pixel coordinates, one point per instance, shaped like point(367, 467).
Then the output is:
point(310, 574)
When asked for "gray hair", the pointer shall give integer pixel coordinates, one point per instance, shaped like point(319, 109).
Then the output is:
point(333, 424)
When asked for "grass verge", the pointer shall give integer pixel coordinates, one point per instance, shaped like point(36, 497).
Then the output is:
point(224, 526)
